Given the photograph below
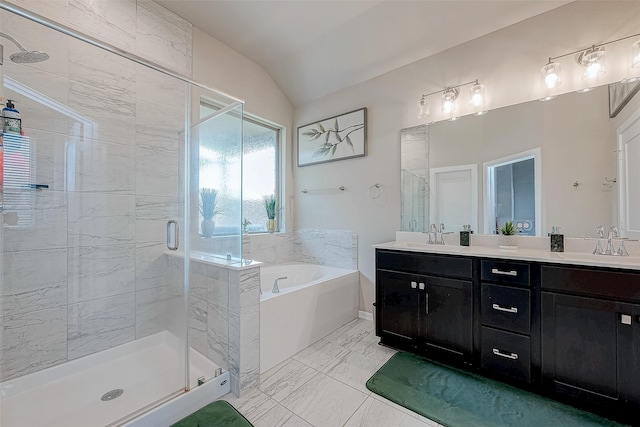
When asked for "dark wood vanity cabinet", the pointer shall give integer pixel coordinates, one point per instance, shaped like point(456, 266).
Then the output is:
point(567, 331)
point(591, 336)
point(427, 308)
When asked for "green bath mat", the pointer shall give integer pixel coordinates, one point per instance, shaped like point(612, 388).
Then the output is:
point(459, 399)
point(216, 414)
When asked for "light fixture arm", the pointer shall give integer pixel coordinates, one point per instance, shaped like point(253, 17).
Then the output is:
point(553, 58)
point(451, 87)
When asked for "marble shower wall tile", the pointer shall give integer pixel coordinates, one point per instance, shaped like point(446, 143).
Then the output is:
point(103, 167)
point(218, 289)
point(33, 280)
point(112, 117)
point(269, 248)
point(335, 248)
point(163, 37)
point(110, 20)
point(100, 219)
point(100, 324)
point(218, 335)
point(156, 172)
point(153, 310)
point(34, 220)
point(152, 214)
point(152, 270)
point(198, 324)
point(32, 341)
point(160, 89)
point(101, 271)
point(159, 126)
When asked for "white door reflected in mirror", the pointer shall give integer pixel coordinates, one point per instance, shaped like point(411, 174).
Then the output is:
point(453, 197)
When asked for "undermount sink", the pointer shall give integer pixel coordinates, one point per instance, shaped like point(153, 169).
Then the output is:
point(579, 256)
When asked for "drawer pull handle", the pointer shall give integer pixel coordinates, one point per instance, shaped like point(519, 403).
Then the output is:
point(507, 309)
point(513, 273)
point(512, 356)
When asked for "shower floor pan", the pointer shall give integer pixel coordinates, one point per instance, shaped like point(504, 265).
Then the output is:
point(104, 388)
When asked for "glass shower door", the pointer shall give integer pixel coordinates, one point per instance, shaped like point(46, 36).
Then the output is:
point(89, 287)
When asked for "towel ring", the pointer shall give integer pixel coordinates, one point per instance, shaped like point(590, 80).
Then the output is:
point(375, 191)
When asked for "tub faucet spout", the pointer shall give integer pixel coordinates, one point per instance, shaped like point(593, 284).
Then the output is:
point(275, 289)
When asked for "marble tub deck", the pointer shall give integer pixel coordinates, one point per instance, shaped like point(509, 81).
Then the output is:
point(324, 386)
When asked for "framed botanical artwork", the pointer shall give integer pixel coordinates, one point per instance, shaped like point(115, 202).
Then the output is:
point(620, 94)
point(335, 138)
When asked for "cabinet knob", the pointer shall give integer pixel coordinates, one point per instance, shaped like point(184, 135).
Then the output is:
point(625, 319)
point(414, 285)
point(421, 286)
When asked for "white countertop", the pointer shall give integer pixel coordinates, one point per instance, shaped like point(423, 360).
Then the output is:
point(529, 249)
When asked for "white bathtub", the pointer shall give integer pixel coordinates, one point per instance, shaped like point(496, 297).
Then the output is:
point(313, 301)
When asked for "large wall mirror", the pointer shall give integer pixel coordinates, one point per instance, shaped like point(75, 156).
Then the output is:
point(575, 168)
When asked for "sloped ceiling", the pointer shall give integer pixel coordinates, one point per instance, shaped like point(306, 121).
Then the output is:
point(314, 48)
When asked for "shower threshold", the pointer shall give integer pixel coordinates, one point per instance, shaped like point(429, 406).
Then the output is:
point(105, 387)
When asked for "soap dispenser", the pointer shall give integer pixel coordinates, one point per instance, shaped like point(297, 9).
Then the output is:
point(557, 239)
point(465, 235)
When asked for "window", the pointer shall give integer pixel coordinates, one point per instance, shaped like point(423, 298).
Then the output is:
point(260, 171)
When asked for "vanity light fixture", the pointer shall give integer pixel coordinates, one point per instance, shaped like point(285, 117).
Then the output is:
point(591, 61)
point(450, 97)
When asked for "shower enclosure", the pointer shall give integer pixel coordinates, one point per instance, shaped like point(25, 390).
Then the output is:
point(101, 317)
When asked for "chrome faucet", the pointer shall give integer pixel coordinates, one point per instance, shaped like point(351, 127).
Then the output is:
point(433, 234)
point(275, 289)
point(613, 233)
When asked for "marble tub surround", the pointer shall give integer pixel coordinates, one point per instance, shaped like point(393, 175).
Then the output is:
point(324, 386)
point(99, 230)
point(333, 248)
point(577, 250)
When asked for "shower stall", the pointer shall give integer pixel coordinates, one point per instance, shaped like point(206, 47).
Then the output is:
point(106, 314)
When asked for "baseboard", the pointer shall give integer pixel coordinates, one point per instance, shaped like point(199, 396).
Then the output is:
point(365, 315)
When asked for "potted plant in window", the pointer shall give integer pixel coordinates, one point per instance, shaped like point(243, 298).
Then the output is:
point(507, 238)
point(270, 207)
point(208, 209)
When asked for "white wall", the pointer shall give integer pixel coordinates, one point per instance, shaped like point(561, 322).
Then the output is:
point(507, 62)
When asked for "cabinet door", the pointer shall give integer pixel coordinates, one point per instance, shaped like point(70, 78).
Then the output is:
point(588, 348)
point(398, 303)
point(448, 307)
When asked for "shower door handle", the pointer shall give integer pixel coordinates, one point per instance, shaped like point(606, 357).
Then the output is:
point(172, 235)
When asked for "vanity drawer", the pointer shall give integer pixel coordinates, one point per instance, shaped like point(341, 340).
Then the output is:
point(514, 273)
point(427, 264)
point(506, 307)
point(506, 354)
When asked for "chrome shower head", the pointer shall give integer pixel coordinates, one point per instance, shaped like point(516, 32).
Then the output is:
point(28, 57)
point(24, 56)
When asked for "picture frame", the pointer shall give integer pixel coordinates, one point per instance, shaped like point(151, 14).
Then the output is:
point(620, 94)
point(335, 138)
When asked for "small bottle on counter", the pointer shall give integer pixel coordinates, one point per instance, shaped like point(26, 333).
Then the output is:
point(465, 235)
point(556, 239)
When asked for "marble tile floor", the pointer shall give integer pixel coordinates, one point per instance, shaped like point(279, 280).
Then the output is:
point(324, 386)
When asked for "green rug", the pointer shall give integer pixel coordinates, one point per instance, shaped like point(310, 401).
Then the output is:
point(459, 399)
point(216, 414)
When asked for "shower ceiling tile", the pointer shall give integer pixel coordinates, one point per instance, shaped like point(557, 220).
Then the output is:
point(101, 271)
point(30, 289)
point(100, 219)
point(100, 324)
point(32, 341)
